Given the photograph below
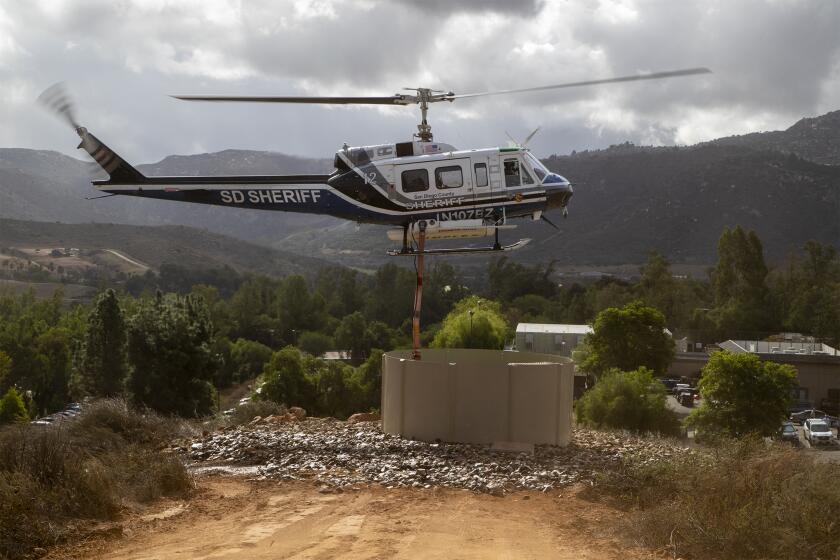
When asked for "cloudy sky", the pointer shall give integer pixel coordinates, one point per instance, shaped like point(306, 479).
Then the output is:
point(774, 61)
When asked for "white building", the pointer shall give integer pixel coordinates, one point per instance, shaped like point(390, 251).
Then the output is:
point(550, 339)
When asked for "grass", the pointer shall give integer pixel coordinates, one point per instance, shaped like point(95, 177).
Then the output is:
point(52, 478)
point(744, 500)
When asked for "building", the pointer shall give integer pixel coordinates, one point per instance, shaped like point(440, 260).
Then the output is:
point(817, 367)
point(550, 339)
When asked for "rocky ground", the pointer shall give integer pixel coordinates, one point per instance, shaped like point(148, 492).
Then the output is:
point(343, 455)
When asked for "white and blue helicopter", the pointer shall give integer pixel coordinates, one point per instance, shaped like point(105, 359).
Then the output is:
point(428, 189)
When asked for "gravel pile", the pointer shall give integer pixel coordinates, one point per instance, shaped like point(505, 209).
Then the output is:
point(341, 455)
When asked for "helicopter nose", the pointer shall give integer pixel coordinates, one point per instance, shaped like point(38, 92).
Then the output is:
point(558, 190)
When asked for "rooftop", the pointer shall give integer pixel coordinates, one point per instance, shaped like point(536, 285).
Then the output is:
point(781, 348)
point(553, 329)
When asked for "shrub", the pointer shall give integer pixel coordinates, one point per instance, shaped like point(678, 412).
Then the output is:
point(742, 395)
point(473, 323)
point(632, 401)
point(12, 408)
point(244, 413)
point(51, 477)
point(314, 343)
point(744, 500)
point(286, 382)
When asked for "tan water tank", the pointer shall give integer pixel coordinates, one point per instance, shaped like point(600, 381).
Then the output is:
point(478, 396)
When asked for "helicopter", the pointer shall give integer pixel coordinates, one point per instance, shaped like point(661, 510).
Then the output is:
point(423, 189)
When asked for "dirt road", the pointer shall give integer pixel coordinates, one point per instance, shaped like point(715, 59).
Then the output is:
point(238, 519)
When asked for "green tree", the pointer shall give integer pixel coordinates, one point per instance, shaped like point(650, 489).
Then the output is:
point(338, 392)
point(742, 395)
point(632, 400)
point(314, 343)
point(50, 383)
point(102, 367)
point(298, 309)
point(284, 380)
point(741, 296)
point(12, 408)
point(5, 367)
point(628, 338)
point(369, 379)
point(473, 323)
point(171, 355)
point(248, 358)
point(391, 298)
point(351, 335)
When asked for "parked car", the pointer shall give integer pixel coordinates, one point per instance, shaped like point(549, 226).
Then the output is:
point(800, 417)
point(789, 433)
point(679, 388)
point(670, 383)
point(817, 431)
point(686, 398)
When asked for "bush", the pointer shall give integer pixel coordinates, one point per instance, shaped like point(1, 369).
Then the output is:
point(51, 477)
point(632, 401)
point(742, 395)
point(744, 500)
point(286, 382)
point(314, 343)
point(12, 408)
point(473, 323)
point(244, 413)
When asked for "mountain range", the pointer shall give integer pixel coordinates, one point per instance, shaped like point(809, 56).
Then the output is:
point(628, 199)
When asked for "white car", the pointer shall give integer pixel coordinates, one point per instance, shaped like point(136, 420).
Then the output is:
point(817, 431)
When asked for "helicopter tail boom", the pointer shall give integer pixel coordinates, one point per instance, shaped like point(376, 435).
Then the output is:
point(118, 170)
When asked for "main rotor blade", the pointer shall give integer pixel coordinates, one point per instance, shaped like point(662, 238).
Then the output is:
point(394, 100)
point(635, 78)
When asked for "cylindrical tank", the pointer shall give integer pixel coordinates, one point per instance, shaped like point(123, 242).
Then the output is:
point(478, 396)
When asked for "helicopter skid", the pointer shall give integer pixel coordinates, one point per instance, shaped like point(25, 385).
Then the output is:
point(460, 250)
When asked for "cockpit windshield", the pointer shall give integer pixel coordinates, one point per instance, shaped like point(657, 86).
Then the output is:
point(539, 168)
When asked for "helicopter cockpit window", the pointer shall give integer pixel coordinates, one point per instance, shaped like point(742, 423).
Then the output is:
point(512, 173)
point(415, 180)
point(449, 177)
point(526, 177)
point(539, 169)
point(480, 174)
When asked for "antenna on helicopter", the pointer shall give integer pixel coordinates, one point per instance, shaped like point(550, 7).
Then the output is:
point(425, 96)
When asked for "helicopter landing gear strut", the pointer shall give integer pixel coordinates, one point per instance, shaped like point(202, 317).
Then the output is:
point(418, 293)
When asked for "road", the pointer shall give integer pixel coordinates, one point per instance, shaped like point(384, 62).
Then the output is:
point(237, 518)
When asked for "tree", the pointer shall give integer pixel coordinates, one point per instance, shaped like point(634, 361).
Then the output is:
point(297, 308)
point(742, 395)
point(632, 400)
point(171, 355)
point(739, 285)
point(284, 380)
point(248, 358)
point(12, 408)
point(473, 323)
point(351, 335)
point(369, 378)
point(5, 367)
point(338, 392)
point(314, 343)
point(102, 367)
point(628, 338)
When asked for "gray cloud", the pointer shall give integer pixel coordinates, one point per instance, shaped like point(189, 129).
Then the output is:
point(774, 62)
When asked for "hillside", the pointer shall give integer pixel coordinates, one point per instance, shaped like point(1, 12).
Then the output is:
point(815, 139)
point(628, 200)
point(154, 246)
